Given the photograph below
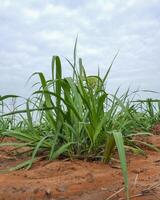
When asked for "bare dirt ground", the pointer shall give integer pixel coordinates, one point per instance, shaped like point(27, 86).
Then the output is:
point(80, 180)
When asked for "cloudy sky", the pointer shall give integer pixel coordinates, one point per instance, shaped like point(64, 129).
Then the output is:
point(32, 31)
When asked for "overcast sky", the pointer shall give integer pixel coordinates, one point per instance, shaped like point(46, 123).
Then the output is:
point(32, 31)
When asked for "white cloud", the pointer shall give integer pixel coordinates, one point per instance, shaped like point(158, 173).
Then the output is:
point(6, 3)
point(52, 35)
point(31, 14)
point(31, 32)
point(22, 46)
point(53, 9)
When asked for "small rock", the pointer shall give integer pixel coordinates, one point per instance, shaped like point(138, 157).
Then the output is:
point(62, 188)
point(89, 177)
point(48, 193)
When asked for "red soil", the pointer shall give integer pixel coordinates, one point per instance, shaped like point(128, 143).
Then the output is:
point(80, 180)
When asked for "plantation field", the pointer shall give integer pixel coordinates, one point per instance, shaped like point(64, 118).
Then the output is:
point(77, 140)
point(81, 180)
